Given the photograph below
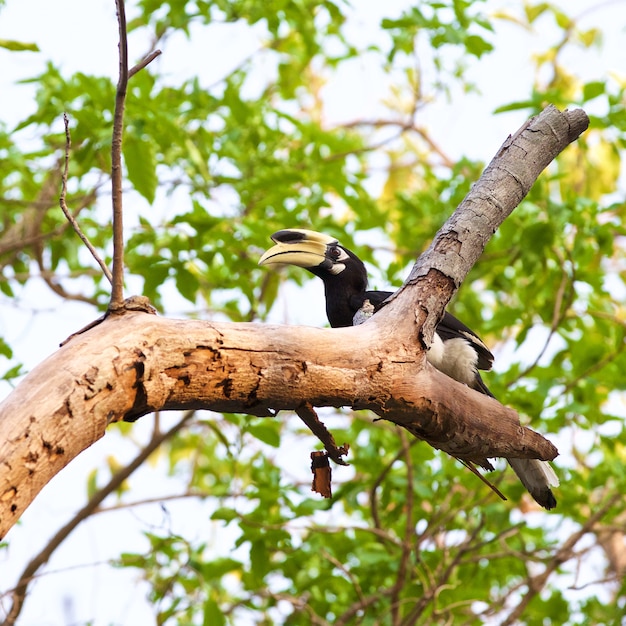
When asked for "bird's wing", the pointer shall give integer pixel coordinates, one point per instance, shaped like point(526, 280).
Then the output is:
point(377, 298)
point(448, 328)
point(451, 328)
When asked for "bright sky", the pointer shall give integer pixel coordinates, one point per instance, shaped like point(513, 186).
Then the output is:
point(82, 36)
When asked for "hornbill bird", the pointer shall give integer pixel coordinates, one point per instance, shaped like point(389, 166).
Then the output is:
point(455, 349)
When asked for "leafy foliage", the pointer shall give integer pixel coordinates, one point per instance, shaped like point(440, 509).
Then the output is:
point(410, 537)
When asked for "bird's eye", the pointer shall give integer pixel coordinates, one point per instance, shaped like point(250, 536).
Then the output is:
point(335, 253)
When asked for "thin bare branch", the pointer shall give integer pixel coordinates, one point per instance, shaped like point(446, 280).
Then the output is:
point(117, 292)
point(143, 63)
point(63, 203)
point(307, 414)
point(373, 497)
point(536, 584)
point(51, 281)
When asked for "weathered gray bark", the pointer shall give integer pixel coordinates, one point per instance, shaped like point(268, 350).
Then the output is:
point(133, 364)
point(441, 269)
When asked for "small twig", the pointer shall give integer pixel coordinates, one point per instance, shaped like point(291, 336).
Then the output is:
point(346, 572)
point(378, 482)
point(307, 414)
point(63, 204)
point(471, 467)
point(145, 61)
point(50, 280)
point(361, 606)
point(402, 126)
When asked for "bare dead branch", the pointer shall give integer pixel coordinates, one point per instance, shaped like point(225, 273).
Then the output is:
point(441, 269)
point(130, 365)
point(143, 63)
point(63, 204)
point(133, 364)
point(307, 414)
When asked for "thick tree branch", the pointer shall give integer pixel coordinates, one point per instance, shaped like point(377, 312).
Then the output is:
point(132, 364)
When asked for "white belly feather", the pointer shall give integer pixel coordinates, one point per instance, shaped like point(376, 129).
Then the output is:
point(455, 358)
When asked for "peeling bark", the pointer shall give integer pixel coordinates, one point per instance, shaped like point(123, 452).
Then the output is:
point(134, 364)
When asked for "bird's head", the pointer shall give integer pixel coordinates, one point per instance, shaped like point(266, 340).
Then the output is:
point(321, 254)
point(343, 273)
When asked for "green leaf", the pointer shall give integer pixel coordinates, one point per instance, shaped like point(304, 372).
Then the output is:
point(140, 159)
point(5, 288)
point(18, 46)
point(212, 614)
point(217, 568)
point(5, 349)
point(593, 90)
point(533, 11)
point(13, 372)
point(187, 283)
point(259, 560)
point(267, 432)
point(92, 482)
point(225, 513)
point(477, 45)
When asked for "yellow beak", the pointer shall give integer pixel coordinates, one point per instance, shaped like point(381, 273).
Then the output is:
point(299, 247)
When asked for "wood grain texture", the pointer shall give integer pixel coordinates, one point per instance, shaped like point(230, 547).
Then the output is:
point(134, 364)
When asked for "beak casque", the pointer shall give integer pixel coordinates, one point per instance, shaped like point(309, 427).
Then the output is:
point(296, 246)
